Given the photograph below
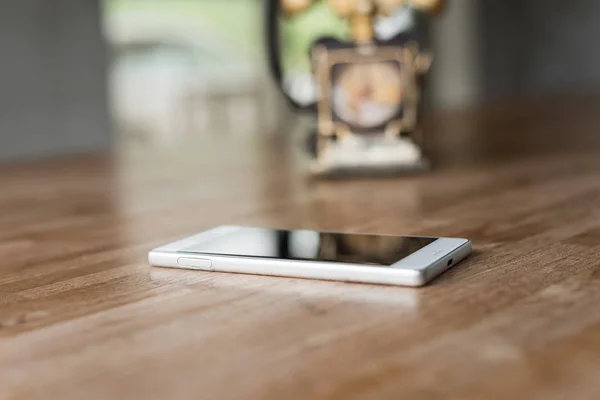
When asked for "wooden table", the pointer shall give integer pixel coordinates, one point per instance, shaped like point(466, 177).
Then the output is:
point(82, 315)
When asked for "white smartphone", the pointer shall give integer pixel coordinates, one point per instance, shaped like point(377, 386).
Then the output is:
point(381, 259)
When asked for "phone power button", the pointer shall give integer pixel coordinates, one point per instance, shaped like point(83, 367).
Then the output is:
point(195, 263)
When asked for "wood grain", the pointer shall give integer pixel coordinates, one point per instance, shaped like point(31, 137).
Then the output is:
point(83, 316)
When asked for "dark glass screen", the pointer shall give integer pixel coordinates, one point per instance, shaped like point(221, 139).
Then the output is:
point(311, 245)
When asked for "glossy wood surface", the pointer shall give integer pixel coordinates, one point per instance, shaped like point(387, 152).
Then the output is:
point(82, 315)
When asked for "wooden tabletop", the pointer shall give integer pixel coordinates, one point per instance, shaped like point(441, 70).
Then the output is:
point(82, 315)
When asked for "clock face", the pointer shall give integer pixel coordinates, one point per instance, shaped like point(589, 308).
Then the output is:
point(367, 95)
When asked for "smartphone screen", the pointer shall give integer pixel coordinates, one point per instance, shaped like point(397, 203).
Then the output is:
point(309, 245)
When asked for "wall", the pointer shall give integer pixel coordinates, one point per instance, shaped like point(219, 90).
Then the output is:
point(563, 47)
point(456, 70)
point(52, 79)
point(539, 46)
point(494, 49)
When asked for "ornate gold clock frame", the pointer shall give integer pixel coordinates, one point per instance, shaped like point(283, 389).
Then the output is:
point(411, 65)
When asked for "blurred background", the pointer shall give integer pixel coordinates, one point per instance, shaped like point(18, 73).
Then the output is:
point(84, 76)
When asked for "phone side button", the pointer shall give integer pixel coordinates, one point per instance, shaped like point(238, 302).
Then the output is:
point(195, 263)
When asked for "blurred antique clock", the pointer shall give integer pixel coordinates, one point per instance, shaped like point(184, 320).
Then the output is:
point(368, 90)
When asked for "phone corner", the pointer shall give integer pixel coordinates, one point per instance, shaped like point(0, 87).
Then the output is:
point(418, 284)
point(151, 256)
point(467, 244)
point(157, 257)
point(415, 278)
